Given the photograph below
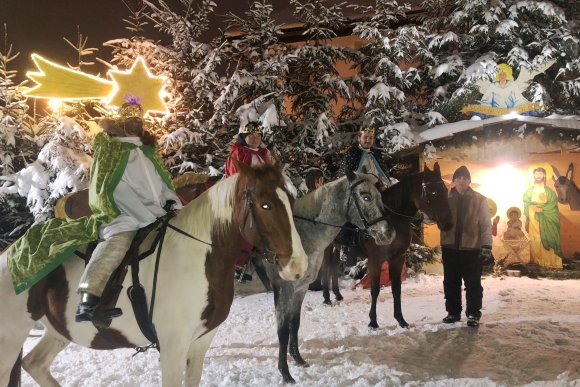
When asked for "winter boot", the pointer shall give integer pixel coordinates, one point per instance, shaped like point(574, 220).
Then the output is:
point(472, 321)
point(86, 308)
point(451, 318)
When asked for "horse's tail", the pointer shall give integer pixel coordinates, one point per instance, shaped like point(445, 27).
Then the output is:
point(16, 373)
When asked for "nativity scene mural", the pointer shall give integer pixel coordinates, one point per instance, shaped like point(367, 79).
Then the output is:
point(532, 221)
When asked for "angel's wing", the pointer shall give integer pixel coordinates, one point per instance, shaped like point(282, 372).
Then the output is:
point(526, 75)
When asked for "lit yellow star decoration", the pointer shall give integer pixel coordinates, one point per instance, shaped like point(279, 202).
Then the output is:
point(57, 82)
point(138, 81)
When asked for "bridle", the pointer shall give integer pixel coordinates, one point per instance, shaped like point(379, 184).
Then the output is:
point(426, 197)
point(367, 224)
point(249, 215)
point(269, 255)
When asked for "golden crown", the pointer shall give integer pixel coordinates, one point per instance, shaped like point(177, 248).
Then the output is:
point(252, 127)
point(131, 108)
point(367, 129)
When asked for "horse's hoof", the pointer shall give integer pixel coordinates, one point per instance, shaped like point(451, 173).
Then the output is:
point(289, 380)
point(339, 297)
point(327, 302)
point(373, 325)
point(302, 363)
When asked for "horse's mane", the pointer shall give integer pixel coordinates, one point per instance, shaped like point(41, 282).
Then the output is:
point(399, 194)
point(215, 206)
point(222, 196)
point(307, 204)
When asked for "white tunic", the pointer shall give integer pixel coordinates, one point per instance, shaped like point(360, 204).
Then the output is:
point(140, 194)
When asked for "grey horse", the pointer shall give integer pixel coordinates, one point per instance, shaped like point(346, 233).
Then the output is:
point(319, 216)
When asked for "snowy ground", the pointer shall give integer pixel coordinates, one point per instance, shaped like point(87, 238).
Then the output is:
point(530, 335)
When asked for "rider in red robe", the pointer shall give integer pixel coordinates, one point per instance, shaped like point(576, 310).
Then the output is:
point(249, 149)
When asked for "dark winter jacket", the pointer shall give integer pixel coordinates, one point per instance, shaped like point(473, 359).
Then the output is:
point(471, 222)
point(352, 158)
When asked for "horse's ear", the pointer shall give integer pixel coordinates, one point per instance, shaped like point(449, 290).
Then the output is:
point(556, 172)
point(350, 175)
point(243, 168)
point(555, 177)
point(436, 168)
point(570, 171)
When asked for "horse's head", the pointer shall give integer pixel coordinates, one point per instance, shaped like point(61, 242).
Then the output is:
point(563, 184)
point(433, 200)
point(365, 208)
point(264, 213)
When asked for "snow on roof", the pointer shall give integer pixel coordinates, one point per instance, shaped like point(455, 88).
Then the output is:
point(447, 130)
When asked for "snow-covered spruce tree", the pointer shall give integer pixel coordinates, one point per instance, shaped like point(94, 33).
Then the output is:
point(469, 39)
point(63, 163)
point(314, 87)
point(17, 145)
point(389, 85)
point(256, 69)
point(193, 141)
point(17, 148)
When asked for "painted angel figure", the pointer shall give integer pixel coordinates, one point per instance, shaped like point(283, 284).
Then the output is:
point(506, 92)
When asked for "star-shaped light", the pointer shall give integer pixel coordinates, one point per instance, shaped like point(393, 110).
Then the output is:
point(138, 81)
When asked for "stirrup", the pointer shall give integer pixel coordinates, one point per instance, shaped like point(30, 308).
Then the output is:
point(87, 308)
point(102, 318)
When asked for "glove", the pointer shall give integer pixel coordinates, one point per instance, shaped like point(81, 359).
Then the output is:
point(485, 255)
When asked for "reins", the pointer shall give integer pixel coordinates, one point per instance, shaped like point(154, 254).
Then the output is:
point(423, 197)
point(366, 223)
point(249, 213)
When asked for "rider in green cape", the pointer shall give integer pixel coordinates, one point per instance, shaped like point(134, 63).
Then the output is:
point(128, 189)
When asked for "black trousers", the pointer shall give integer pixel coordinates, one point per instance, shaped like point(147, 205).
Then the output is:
point(462, 265)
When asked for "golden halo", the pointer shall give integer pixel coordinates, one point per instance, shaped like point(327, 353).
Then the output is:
point(512, 209)
point(492, 207)
point(546, 166)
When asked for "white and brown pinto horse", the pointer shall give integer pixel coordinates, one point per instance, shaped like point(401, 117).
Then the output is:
point(194, 288)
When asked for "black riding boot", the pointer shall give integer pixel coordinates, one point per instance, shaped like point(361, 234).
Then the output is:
point(86, 308)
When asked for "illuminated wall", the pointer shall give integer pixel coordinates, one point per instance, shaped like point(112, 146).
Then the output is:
point(505, 183)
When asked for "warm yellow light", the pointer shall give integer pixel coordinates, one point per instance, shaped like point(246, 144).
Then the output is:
point(54, 81)
point(138, 81)
point(55, 104)
point(505, 185)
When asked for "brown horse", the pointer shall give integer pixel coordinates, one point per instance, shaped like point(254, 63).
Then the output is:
point(195, 282)
point(425, 192)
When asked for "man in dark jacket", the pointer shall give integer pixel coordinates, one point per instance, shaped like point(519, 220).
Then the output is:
point(363, 155)
point(464, 247)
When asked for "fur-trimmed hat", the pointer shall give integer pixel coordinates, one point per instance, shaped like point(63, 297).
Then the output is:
point(462, 171)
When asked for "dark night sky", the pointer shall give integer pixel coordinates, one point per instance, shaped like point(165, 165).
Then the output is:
point(40, 25)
